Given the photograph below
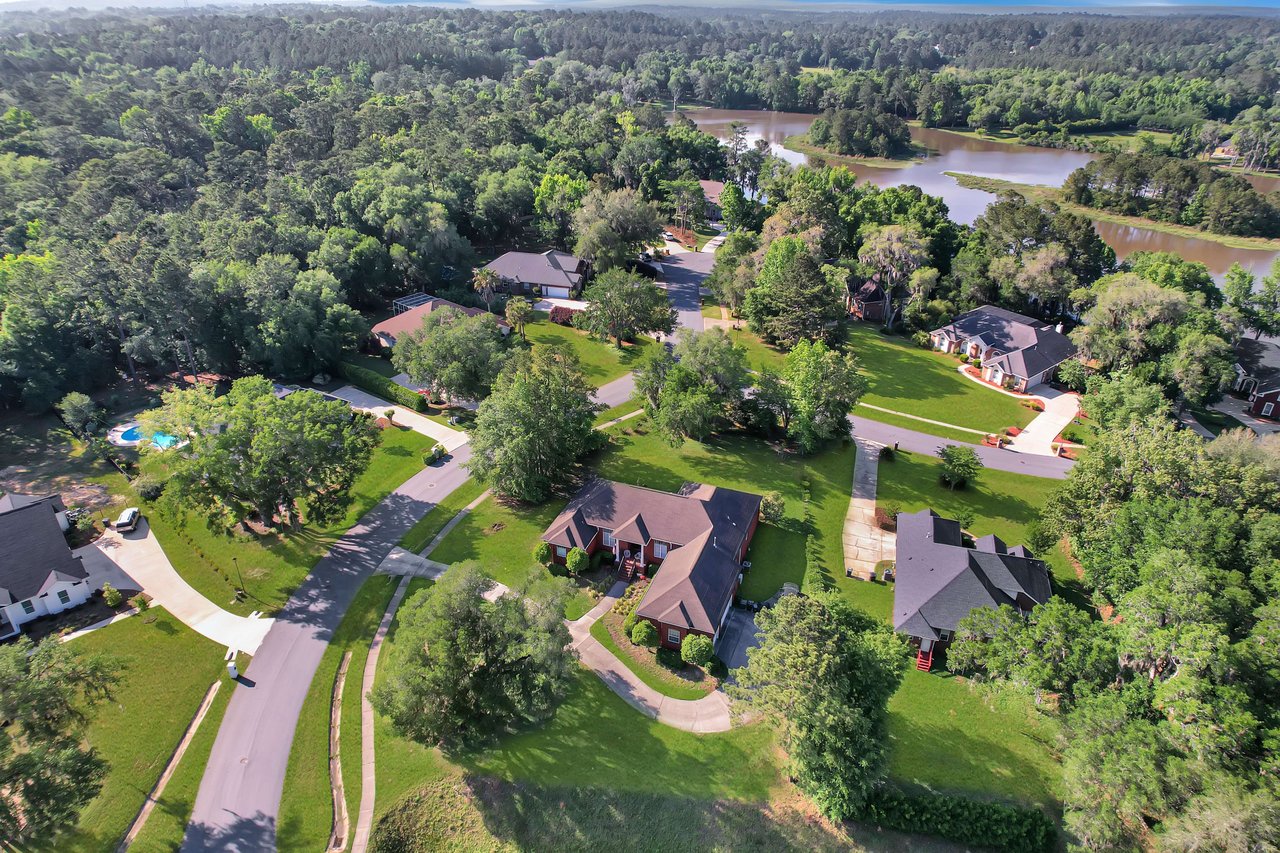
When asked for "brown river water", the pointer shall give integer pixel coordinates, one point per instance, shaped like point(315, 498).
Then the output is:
point(951, 152)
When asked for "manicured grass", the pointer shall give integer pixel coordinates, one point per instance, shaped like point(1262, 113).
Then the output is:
point(601, 361)
point(376, 363)
point(642, 662)
point(618, 411)
point(950, 735)
point(918, 426)
point(425, 529)
point(906, 378)
point(165, 670)
point(167, 823)
point(1215, 421)
point(306, 810)
point(638, 455)
point(712, 310)
point(274, 565)
point(760, 356)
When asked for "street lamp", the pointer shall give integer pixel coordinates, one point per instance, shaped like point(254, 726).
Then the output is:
point(239, 591)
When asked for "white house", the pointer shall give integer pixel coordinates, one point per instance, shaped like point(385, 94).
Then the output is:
point(39, 575)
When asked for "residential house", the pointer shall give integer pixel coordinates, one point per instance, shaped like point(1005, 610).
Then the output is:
point(552, 274)
point(1258, 376)
point(712, 190)
point(39, 575)
point(698, 537)
point(939, 580)
point(386, 332)
point(868, 301)
point(1013, 350)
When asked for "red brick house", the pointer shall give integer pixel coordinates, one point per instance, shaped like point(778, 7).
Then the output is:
point(697, 537)
point(1258, 377)
point(868, 301)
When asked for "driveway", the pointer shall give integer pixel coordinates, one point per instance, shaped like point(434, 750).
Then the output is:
point(363, 401)
point(739, 635)
point(684, 274)
point(136, 560)
point(238, 803)
point(1060, 409)
point(1239, 410)
point(865, 544)
point(1000, 460)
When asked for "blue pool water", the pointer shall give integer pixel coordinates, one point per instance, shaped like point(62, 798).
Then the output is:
point(161, 440)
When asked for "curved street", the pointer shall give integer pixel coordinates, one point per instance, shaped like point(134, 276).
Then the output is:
point(238, 802)
point(1000, 460)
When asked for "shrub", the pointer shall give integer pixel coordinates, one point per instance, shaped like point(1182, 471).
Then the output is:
point(148, 489)
point(112, 596)
point(644, 634)
point(562, 315)
point(888, 454)
point(921, 339)
point(629, 623)
point(884, 520)
point(670, 658)
point(892, 508)
point(542, 553)
point(772, 507)
point(78, 411)
point(434, 455)
point(577, 561)
point(965, 517)
point(968, 822)
point(376, 383)
point(140, 601)
point(696, 649)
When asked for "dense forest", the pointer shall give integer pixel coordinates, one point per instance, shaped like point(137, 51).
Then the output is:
point(225, 192)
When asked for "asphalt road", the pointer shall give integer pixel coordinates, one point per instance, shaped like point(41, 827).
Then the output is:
point(617, 392)
point(1000, 460)
point(683, 273)
point(238, 804)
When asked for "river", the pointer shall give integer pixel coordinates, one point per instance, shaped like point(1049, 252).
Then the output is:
point(953, 152)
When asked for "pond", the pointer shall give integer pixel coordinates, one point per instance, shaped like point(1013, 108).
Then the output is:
point(953, 152)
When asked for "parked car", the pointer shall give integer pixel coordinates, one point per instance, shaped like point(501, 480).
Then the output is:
point(128, 520)
point(667, 235)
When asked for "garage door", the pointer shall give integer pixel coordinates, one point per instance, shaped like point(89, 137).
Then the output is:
point(556, 292)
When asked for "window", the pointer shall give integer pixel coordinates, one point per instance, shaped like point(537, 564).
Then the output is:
point(1267, 409)
point(660, 550)
point(673, 636)
point(609, 541)
point(27, 607)
point(64, 596)
point(561, 551)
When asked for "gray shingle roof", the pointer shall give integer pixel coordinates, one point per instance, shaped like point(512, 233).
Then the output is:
point(33, 552)
point(1028, 346)
point(938, 580)
point(549, 269)
point(706, 524)
point(1259, 360)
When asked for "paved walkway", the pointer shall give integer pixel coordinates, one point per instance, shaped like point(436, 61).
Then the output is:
point(238, 803)
point(1060, 409)
point(865, 544)
point(139, 557)
point(363, 401)
point(700, 716)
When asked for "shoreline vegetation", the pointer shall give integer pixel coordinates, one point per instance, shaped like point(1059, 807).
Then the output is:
point(1054, 194)
point(801, 145)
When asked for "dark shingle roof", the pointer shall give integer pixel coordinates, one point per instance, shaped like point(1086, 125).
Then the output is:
point(1029, 347)
point(938, 580)
point(1259, 360)
point(13, 500)
point(707, 524)
point(33, 552)
point(550, 268)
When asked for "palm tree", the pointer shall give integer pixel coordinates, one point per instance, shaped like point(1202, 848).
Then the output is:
point(484, 281)
point(519, 312)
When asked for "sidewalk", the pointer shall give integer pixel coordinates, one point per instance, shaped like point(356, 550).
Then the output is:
point(363, 401)
point(865, 544)
point(140, 556)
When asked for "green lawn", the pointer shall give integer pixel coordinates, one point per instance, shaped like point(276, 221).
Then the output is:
point(167, 823)
point(913, 424)
point(306, 810)
point(641, 661)
point(950, 735)
point(712, 310)
point(425, 529)
point(1215, 421)
point(638, 455)
point(272, 566)
point(618, 411)
point(601, 362)
point(165, 670)
point(905, 378)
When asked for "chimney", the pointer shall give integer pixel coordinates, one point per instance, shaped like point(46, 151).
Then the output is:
point(1058, 328)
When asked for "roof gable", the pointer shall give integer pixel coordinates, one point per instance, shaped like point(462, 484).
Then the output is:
point(33, 553)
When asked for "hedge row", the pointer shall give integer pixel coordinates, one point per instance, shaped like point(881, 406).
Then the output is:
point(376, 383)
point(965, 821)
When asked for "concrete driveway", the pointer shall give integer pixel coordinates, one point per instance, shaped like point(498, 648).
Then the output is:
point(452, 439)
point(1239, 410)
point(136, 560)
point(739, 635)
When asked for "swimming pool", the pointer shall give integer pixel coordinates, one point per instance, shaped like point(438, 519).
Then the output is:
point(134, 436)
